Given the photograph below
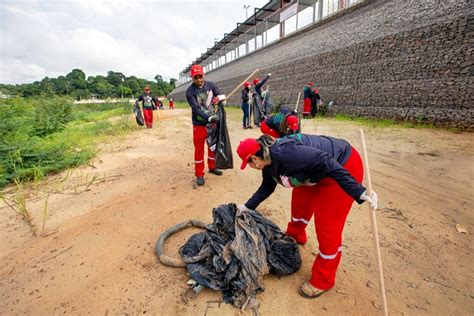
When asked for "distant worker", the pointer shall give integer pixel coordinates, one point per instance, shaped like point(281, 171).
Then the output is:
point(201, 96)
point(246, 100)
point(281, 124)
point(259, 100)
point(308, 99)
point(171, 103)
point(159, 104)
point(148, 103)
point(259, 84)
point(315, 102)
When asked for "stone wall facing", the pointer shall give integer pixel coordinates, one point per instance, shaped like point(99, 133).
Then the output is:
point(401, 59)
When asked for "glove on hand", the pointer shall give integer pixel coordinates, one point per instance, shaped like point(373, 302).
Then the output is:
point(212, 119)
point(242, 208)
point(372, 200)
point(219, 98)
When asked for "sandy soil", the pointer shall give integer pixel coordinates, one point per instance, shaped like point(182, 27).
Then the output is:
point(97, 255)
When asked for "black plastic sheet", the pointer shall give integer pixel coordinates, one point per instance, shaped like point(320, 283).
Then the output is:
point(138, 115)
point(219, 141)
point(236, 251)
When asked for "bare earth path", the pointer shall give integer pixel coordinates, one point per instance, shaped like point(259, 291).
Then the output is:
point(98, 256)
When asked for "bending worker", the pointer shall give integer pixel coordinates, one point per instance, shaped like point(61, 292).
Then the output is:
point(328, 173)
point(281, 124)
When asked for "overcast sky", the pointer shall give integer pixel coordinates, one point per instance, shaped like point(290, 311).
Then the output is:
point(135, 37)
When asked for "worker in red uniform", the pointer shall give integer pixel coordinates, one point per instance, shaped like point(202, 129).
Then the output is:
point(246, 97)
point(148, 103)
point(202, 96)
point(308, 98)
point(281, 124)
point(171, 101)
point(328, 173)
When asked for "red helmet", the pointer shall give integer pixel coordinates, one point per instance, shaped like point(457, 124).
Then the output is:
point(256, 81)
point(310, 83)
point(246, 84)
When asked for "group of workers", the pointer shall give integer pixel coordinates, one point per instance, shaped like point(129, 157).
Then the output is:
point(324, 173)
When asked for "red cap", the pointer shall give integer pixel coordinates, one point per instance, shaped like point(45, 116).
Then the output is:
point(246, 149)
point(310, 83)
point(292, 122)
point(256, 81)
point(196, 70)
point(246, 84)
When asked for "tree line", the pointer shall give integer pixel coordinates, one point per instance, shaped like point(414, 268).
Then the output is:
point(77, 86)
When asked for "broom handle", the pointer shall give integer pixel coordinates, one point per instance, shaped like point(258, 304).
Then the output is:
point(236, 88)
point(297, 102)
point(373, 221)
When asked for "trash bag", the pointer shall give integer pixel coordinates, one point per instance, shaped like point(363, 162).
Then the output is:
point(268, 104)
point(138, 115)
point(236, 251)
point(218, 140)
point(263, 106)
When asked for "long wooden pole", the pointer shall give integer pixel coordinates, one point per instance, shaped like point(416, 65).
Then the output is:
point(373, 220)
point(297, 102)
point(240, 85)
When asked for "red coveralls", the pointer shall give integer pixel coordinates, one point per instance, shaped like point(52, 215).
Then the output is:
point(148, 116)
point(199, 138)
point(330, 205)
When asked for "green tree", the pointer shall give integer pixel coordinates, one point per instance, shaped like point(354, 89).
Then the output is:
point(104, 88)
point(124, 91)
point(173, 83)
point(158, 79)
point(115, 78)
point(77, 79)
point(47, 87)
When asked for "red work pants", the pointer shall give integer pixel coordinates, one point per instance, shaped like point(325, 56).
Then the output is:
point(199, 138)
point(148, 116)
point(330, 205)
point(307, 106)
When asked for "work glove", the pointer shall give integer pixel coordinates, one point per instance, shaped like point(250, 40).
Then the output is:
point(270, 74)
point(242, 208)
point(212, 118)
point(219, 98)
point(372, 200)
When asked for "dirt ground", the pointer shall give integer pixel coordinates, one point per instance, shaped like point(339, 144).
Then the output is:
point(97, 255)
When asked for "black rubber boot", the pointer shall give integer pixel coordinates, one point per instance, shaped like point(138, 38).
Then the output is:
point(200, 181)
point(216, 171)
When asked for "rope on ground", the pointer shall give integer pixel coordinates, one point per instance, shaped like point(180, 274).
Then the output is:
point(170, 261)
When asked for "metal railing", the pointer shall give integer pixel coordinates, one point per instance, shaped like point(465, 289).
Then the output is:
point(253, 34)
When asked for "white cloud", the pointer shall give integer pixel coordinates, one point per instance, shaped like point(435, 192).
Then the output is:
point(142, 38)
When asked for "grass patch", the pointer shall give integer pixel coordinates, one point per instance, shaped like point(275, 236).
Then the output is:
point(379, 123)
point(45, 136)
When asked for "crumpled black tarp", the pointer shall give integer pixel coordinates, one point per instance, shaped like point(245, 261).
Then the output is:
point(236, 251)
point(138, 115)
point(219, 141)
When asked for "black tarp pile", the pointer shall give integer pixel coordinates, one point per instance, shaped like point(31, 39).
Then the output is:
point(138, 114)
point(219, 141)
point(236, 251)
